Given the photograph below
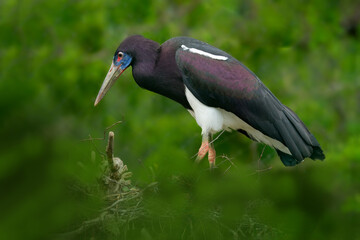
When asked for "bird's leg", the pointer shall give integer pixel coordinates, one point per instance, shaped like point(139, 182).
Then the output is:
point(211, 154)
point(207, 147)
point(204, 148)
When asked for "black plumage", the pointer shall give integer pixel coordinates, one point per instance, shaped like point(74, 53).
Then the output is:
point(218, 81)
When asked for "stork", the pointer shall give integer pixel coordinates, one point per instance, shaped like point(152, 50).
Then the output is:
point(219, 92)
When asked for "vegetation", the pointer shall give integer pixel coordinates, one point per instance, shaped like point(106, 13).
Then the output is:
point(54, 56)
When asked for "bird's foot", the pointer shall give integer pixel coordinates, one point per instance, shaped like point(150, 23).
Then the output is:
point(206, 148)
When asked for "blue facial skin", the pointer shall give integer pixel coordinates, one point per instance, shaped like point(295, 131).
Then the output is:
point(124, 62)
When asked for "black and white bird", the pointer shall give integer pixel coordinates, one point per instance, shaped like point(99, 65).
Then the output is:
point(218, 91)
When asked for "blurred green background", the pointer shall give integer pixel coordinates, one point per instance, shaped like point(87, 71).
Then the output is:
point(54, 56)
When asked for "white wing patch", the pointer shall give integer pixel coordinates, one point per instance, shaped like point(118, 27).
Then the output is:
point(203, 53)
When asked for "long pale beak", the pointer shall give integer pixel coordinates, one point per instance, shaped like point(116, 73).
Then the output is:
point(110, 79)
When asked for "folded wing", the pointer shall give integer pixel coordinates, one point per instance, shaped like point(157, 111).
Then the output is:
point(218, 80)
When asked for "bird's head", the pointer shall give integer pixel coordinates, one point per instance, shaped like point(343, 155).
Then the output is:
point(120, 62)
point(133, 49)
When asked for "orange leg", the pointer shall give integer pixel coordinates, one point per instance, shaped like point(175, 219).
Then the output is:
point(207, 148)
point(212, 156)
point(203, 150)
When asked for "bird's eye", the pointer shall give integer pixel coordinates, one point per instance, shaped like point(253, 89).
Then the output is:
point(120, 54)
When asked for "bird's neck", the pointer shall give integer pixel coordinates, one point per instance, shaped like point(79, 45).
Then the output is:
point(156, 70)
point(145, 58)
point(145, 62)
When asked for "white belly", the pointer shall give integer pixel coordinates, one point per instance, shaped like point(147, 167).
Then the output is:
point(213, 120)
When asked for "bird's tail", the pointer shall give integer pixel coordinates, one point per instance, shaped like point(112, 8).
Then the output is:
point(301, 143)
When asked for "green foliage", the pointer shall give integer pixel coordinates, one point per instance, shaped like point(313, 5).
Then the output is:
point(53, 58)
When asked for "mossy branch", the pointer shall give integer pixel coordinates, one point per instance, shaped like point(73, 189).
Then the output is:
point(122, 198)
